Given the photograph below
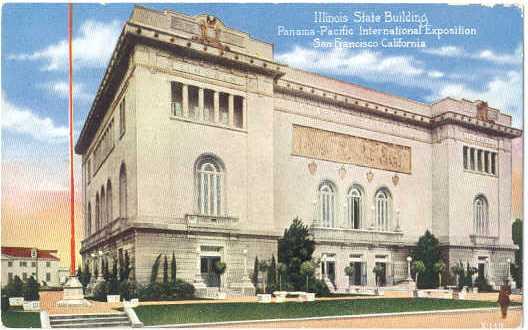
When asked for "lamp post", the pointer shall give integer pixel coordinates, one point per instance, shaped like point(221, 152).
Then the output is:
point(409, 278)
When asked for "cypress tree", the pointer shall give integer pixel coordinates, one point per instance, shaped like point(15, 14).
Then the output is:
point(272, 273)
point(255, 272)
point(173, 269)
point(165, 271)
point(155, 269)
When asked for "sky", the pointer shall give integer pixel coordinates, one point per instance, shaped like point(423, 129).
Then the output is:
point(485, 65)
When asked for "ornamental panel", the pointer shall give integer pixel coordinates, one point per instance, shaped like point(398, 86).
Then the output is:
point(342, 148)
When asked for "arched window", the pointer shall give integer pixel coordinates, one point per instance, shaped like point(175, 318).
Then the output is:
point(354, 207)
point(327, 204)
point(210, 185)
point(97, 213)
point(383, 209)
point(480, 216)
point(103, 207)
point(89, 220)
point(109, 211)
point(122, 192)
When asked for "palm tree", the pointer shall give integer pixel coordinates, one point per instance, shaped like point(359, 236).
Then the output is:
point(220, 268)
point(458, 269)
point(419, 267)
point(439, 267)
point(263, 268)
point(307, 269)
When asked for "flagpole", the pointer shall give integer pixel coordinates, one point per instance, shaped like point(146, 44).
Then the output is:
point(70, 113)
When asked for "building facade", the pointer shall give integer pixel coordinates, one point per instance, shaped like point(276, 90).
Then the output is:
point(199, 143)
point(25, 262)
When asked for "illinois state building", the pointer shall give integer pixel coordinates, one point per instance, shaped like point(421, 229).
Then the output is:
point(199, 143)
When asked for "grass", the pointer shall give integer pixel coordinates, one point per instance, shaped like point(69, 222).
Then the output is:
point(203, 313)
point(20, 319)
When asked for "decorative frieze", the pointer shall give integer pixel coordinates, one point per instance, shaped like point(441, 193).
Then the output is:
point(325, 145)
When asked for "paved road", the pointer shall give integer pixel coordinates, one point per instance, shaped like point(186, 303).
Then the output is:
point(484, 319)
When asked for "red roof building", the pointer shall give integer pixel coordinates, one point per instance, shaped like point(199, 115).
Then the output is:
point(25, 252)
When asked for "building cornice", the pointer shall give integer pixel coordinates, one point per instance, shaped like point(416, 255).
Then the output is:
point(325, 96)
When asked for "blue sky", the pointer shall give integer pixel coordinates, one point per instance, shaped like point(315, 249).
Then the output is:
point(486, 66)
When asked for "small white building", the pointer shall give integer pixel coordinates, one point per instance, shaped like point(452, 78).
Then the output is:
point(25, 262)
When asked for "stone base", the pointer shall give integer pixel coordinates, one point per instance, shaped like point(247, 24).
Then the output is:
point(73, 293)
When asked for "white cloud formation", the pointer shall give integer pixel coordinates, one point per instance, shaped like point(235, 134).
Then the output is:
point(488, 55)
point(61, 88)
point(23, 121)
point(447, 51)
point(92, 48)
point(343, 61)
point(503, 92)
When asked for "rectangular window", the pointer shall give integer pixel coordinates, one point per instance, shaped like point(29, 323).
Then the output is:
point(9, 264)
point(238, 111)
point(89, 169)
point(10, 277)
point(122, 117)
point(48, 264)
point(465, 153)
point(224, 108)
point(176, 98)
point(493, 163)
point(24, 276)
point(472, 158)
point(33, 264)
point(23, 264)
point(48, 277)
point(193, 102)
point(208, 105)
point(486, 161)
point(203, 265)
point(479, 160)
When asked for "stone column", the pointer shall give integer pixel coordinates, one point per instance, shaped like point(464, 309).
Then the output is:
point(231, 110)
point(244, 113)
point(198, 281)
point(216, 107)
point(316, 220)
point(185, 100)
point(201, 104)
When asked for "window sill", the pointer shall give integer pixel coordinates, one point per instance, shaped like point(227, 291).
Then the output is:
point(207, 123)
point(480, 173)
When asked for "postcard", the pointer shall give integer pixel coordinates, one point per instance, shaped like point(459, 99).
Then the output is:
point(339, 165)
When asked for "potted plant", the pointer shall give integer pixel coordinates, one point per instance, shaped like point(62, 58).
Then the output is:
point(220, 268)
point(458, 272)
point(419, 267)
point(349, 271)
point(263, 267)
point(439, 267)
point(281, 269)
point(307, 269)
point(378, 271)
point(472, 273)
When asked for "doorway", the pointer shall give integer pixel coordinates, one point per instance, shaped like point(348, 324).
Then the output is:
point(209, 275)
point(382, 276)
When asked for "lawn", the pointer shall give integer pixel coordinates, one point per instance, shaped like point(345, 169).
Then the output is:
point(203, 313)
point(19, 319)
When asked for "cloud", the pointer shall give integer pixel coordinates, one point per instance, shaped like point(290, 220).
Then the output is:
point(504, 91)
point(446, 51)
point(365, 64)
point(488, 55)
point(91, 48)
point(24, 121)
point(61, 88)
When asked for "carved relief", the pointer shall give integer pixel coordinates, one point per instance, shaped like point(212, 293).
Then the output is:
point(395, 179)
point(312, 167)
point(320, 144)
point(370, 176)
point(342, 172)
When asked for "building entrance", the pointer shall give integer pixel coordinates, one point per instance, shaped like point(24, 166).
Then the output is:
point(209, 276)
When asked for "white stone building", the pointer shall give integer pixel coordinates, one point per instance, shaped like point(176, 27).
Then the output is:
point(25, 262)
point(199, 143)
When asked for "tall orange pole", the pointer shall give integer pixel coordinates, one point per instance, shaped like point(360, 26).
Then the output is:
point(72, 190)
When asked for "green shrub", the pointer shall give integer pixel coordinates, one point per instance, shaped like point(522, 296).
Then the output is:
point(319, 287)
point(128, 290)
point(483, 285)
point(184, 289)
point(14, 288)
point(31, 289)
point(158, 291)
point(101, 290)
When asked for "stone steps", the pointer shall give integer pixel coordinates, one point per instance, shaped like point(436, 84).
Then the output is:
point(116, 320)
